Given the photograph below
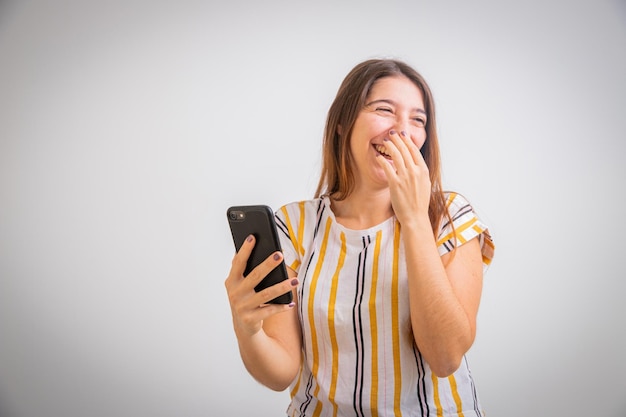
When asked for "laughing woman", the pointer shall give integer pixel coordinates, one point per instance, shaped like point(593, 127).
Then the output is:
point(386, 268)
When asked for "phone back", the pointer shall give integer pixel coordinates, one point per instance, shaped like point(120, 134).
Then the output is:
point(258, 220)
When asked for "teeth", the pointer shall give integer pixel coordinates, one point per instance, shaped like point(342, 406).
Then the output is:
point(382, 150)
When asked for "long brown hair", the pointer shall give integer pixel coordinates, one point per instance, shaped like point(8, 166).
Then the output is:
point(337, 175)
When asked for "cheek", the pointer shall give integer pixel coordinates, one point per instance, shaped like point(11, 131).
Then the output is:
point(371, 128)
point(380, 126)
point(418, 137)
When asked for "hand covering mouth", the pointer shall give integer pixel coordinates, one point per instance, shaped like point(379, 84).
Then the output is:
point(382, 151)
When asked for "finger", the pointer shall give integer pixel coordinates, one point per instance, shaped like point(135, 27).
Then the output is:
point(407, 147)
point(246, 301)
point(241, 257)
point(387, 166)
point(265, 311)
point(264, 268)
point(414, 150)
point(268, 294)
point(401, 157)
point(395, 162)
point(414, 161)
point(251, 317)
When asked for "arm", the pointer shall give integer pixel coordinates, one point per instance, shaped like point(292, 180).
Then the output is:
point(268, 334)
point(444, 300)
point(444, 291)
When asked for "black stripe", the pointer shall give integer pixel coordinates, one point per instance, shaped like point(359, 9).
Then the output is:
point(357, 316)
point(281, 226)
point(474, 394)
point(356, 340)
point(304, 276)
point(320, 214)
point(422, 398)
point(309, 397)
point(461, 212)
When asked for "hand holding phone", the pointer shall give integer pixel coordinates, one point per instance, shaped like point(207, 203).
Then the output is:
point(258, 220)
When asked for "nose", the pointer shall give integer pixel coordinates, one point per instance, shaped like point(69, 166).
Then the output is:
point(403, 123)
point(402, 127)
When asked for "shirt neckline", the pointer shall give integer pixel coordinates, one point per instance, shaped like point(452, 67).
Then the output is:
point(387, 224)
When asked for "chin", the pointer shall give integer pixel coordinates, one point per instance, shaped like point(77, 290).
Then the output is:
point(381, 180)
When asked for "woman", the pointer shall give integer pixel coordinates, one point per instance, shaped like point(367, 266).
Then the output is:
point(386, 268)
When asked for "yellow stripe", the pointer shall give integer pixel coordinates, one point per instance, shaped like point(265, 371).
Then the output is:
point(488, 249)
point(331, 324)
point(310, 304)
point(301, 229)
point(295, 265)
point(374, 327)
point(292, 236)
point(318, 407)
point(297, 386)
point(456, 396)
point(457, 232)
point(395, 323)
point(451, 198)
point(460, 229)
point(436, 392)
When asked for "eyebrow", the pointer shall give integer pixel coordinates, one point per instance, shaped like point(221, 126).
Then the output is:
point(387, 101)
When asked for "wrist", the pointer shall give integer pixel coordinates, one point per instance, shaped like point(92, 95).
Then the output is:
point(417, 224)
point(243, 332)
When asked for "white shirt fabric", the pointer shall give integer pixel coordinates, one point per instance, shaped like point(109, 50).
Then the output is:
point(359, 355)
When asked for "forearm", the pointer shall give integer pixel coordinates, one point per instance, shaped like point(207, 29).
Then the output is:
point(268, 361)
point(442, 329)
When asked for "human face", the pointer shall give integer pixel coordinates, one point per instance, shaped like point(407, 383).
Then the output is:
point(394, 103)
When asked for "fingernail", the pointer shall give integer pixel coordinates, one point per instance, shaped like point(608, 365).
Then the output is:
point(249, 238)
point(403, 133)
point(276, 256)
point(292, 304)
point(385, 139)
point(294, 282)
point(392, 132)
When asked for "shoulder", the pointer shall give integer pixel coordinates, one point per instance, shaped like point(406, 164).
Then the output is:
point(295, 222)
point(302, 206)
point(456, 202)
point(463, 225)
point(298, 214)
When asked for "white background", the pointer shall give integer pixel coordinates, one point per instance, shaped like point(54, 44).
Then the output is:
point(127, 128)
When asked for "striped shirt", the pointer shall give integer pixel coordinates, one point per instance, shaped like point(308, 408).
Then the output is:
point(359, 355)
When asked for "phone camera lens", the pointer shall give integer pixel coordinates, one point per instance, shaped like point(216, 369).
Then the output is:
point(236, 215)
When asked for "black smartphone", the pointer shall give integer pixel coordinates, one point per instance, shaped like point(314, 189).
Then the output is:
point(259, 221)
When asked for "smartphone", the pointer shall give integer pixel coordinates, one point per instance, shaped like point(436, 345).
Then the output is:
point(259, 221)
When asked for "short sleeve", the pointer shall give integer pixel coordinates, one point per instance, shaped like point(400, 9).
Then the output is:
point(467, 226)
point(288, 218)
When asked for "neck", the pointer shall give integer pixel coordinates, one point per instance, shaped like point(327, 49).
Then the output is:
point(363, 210)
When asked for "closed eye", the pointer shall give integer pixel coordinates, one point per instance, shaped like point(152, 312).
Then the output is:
point(420, 121)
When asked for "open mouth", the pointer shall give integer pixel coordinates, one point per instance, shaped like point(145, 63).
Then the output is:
point(382, 151)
